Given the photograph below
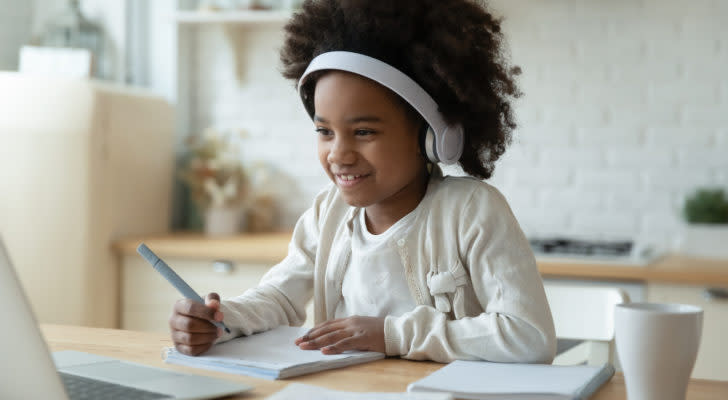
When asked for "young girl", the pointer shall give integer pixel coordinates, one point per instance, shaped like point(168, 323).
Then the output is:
point(398, 258)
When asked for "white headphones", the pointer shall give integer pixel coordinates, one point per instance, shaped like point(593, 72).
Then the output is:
point(442, 142)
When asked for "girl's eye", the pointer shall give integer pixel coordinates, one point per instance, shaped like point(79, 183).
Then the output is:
point(323, 131)
point(364, 132)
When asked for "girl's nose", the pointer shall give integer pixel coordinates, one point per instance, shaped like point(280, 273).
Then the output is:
point(341, 152)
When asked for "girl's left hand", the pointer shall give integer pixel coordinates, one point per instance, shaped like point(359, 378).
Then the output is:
point(339, 335)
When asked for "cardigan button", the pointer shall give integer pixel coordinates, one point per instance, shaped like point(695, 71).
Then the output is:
point(400, 243)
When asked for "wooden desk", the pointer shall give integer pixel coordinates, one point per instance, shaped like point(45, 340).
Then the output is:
point(389, 375)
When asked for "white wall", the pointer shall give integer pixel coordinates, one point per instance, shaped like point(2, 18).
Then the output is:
point(249, 93)
point(625, 111)
point(15, 30)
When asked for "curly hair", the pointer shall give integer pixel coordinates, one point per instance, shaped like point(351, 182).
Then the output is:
point(452, 48)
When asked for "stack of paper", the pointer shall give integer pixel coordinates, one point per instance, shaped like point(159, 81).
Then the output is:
point(296, 391)
point(269, 355)
point(487, 380)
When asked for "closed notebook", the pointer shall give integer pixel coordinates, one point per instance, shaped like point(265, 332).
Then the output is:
point(269, 355)
point(487, 380)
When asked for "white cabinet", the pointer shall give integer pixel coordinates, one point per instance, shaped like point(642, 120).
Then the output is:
point(713, 353)
point(147, 298)
point(82, 162)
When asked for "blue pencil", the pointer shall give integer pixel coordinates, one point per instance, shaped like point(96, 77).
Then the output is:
point(173, 278)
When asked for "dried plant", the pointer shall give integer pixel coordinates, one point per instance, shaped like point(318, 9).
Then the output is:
point(214, 171)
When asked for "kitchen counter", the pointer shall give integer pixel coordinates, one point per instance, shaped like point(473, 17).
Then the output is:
point(272, 247)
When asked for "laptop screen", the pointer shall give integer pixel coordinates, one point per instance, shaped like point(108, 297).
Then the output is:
point(28, 371)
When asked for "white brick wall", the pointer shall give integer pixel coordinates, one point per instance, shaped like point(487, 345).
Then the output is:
point(625, 111)
point(15, 29)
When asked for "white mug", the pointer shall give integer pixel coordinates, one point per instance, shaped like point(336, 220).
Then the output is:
point(657, 345)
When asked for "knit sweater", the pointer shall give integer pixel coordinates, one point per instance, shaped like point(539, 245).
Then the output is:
point(468, 266)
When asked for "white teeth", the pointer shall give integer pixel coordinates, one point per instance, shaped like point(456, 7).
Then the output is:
point(349, 177)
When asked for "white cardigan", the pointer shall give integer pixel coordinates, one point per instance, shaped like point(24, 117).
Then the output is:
point(468, 265)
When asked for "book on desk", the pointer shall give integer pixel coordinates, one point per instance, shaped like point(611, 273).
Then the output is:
point(269, 355)
point(488, 380)
point(273, 355)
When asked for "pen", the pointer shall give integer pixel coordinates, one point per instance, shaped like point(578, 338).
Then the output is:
point(173, 278)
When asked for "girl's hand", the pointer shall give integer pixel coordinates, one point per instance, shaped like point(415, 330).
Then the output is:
point(190, 326)
point(339, 335)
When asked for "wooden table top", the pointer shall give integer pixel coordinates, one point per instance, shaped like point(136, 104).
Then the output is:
point(273, 247)
point(388, 375)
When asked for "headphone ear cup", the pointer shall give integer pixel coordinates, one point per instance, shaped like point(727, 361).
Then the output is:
point(421, 139)
point(428, 143)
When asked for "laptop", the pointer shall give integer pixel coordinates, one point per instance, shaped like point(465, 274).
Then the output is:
point(28, 371)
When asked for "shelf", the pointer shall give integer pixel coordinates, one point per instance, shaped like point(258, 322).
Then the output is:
point(232, 17)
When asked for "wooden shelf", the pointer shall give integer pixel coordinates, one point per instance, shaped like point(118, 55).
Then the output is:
point(232, 17)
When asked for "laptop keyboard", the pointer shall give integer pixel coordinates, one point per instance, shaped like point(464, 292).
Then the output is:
point(79, 388)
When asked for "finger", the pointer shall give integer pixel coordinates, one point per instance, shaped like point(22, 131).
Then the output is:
point(212, 300)
point(192, 350)
point(348, 343)
point(321, 329)
point(325, 340)
point(191, 325)
point(186, 338)
point(307, 335)
point(194, 309)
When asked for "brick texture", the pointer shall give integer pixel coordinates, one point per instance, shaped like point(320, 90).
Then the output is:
point(625, 112)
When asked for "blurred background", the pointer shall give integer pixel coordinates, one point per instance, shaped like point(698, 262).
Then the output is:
point(171, 117)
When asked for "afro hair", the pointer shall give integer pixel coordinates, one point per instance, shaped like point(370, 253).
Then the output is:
point(452, 48)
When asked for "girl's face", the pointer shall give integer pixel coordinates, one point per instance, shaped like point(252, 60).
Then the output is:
point(368, 144)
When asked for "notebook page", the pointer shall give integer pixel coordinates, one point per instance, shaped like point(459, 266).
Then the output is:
point(274, 349)
point(487, 377)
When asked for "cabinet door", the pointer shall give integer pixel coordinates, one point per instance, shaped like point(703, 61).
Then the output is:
point(147, 298)
point(712, 361)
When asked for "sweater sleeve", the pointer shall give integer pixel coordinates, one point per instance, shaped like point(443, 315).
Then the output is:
point(282, 294)
point(516, 324)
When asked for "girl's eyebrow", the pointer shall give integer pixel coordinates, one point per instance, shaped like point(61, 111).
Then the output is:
point(352, 120)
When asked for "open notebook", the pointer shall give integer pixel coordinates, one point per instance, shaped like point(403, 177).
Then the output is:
point(269, 355)
point(487, 380)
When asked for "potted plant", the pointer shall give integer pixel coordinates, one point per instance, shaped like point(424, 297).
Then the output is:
point(217, 182)
point(706, 232)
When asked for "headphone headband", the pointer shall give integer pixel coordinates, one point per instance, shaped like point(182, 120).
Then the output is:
point(448, 140)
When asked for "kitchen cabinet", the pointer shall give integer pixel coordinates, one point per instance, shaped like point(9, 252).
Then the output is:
point(713, 352)
point(79, 161)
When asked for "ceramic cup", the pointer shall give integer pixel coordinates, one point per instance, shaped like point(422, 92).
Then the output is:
point(657, 345)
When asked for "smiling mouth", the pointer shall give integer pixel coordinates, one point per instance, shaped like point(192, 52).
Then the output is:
point(346, 180)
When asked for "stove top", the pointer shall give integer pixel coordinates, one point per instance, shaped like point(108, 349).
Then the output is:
point(625, 252)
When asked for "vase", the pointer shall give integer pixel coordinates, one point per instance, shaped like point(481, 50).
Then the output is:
point(705, 240)
point(223, 221)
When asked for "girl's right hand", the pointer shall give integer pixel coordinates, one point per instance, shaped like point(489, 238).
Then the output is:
point(190, 326)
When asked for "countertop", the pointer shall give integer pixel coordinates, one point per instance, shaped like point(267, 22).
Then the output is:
point(273, 247)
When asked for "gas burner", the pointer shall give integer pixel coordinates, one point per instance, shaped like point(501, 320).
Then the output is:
point(625, 252)
point(582, 247)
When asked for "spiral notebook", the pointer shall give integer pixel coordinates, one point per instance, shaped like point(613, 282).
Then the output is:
point(269, 355)
point(486, 380)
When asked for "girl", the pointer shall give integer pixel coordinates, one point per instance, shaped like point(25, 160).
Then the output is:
point(398, 258)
